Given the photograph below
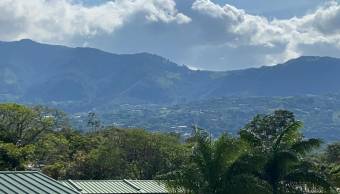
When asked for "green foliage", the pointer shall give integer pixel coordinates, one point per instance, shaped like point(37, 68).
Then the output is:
point(58, 119)
point(320, 114)
point(52, 154)
point(13, 157)
point(270, 155)
point(20, 128)
point(21, 125)
point(207, 168)
point(330, 163)
point(146, 155)
point(276, 138)
point(333, 153)
point(110, 154)
point(105, 162)
point(93, 122)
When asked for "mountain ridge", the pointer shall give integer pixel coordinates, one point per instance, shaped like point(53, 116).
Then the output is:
point(33, 72)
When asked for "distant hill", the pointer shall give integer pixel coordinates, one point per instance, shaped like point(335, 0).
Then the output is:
point(320, 115)
point(304, 75)
point(40, 73)
point(86, 78)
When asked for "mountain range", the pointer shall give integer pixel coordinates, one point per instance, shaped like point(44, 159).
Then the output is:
point(32, 72)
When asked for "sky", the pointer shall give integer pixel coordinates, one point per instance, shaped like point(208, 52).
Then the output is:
point(202, 34)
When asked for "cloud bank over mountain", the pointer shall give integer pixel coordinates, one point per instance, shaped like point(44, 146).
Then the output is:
point(62, 19)
point(203, 34)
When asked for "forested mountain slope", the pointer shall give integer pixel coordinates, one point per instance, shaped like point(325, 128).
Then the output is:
point(86, 78)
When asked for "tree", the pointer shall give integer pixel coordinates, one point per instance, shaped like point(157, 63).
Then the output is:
point(52, 155)
point(104, 162)
point(93, 122)
point(330, 163)
point(21, 125)
point(146, 154)
point(333, 153)
point(13, 157)
point(20, 128)
point(278, 154)
point(126, 153)
point(59, 119)
point(207, 170)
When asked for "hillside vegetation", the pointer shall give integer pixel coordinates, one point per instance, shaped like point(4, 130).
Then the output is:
point(83, 78)
point(270, 155)
point(321, 115)
point(137, 90)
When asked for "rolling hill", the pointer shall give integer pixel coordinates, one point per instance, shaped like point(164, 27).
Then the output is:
point(320, 114)
point(32, 72)
point(149, 91)
point(39, 73)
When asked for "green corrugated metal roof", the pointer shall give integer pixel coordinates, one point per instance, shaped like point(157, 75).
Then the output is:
point(117, 186)
point(149, 186)
point(30, 182)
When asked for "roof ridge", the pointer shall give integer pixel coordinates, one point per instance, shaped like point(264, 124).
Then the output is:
point(89, 180)
point(132, 185)
point(19, 171)
point(74, 185)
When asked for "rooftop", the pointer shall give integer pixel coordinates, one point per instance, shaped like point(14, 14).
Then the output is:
point(31, 182)
point(117, 186)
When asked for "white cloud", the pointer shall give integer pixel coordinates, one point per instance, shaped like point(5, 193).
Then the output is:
point(59, 20)
point(199, 33)
point(319, 27)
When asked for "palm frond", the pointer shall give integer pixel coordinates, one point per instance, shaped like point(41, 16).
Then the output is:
point(286, 156)
point(335, 169)
point(227, 150)
point(247, 184)
point(248, 164)
point(304, 165)
point(289, 134)
point(302, 147)
point(278, 165)
point(250, 137)
point(309, 179)
point(187, 179)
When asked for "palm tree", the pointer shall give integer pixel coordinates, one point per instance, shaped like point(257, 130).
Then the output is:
point(206, 167)
point(277, 156)
point(269, 158)
point(329, 163)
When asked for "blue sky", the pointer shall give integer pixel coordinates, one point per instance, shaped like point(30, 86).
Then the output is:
point(203, 34)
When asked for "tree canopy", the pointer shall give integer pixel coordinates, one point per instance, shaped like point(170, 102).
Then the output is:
point(270, 155)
